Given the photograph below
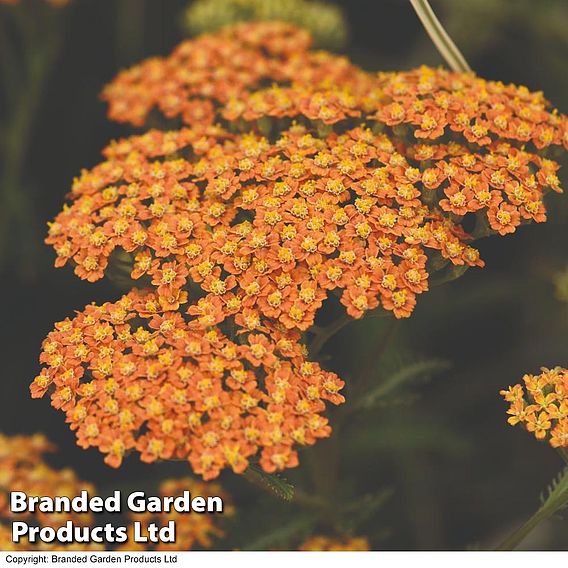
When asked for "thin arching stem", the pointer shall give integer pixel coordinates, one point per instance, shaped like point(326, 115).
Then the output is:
point(557, 499)
point(443, 42)
point(511, 542)
point(368, 371)
point(323, 335)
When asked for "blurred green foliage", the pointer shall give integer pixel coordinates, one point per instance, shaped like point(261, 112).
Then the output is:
point(324, 21)
point(561, 284)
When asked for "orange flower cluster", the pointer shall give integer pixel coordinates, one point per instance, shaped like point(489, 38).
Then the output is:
point(506, 127)
point(223, 76)
point(327, 544)
point(436, 102)
point(279, 220)
point(541, 405)
point(291, 220)
point(135, 376)
point(204, 75)
point(22, 468)
point(295, 176)
point(260, 226)
point(192, 530)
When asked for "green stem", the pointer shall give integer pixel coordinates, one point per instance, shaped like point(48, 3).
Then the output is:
point(378, 350)
point(443, 42)
point(557, 499)
point(368, 372)
point(323, 461)
point(324, 334)
point(10, 70)
point(130, 19)
point(304, 499)
point(513, 540)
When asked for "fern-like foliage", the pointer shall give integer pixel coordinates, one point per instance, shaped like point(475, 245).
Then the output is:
point(555, 497)
point(417, 371)
point(280, 486)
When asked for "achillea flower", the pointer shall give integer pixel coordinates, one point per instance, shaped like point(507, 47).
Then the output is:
point(434, 102)
point(134, 375)
point(325, 22)
point(192, 530)
point(203, 75)
point(274, 215)
point(504, 130)
point(279, 225)
point(541, 405)
point(331, 180)
point(325, 544)
point(23, 468)
point(431, 102)
point(272, 227)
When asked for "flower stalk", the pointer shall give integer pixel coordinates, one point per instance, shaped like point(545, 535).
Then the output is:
point(323, 335)
point(443, 42)
point(557, 499)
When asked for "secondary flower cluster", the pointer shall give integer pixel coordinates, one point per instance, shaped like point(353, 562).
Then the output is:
point(541, 405)
point(277, 226)
point(327, 544)
point(136, 376)
point(203, 75)
point(23, 468)
point(192, 530)
point(435, 102)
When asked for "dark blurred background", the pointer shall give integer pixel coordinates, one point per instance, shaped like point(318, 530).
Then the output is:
point(456, 474)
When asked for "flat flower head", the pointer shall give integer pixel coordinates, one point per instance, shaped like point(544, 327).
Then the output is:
point(273, 241)
point(174, 387)
point(269, 217)
point(228, 67)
